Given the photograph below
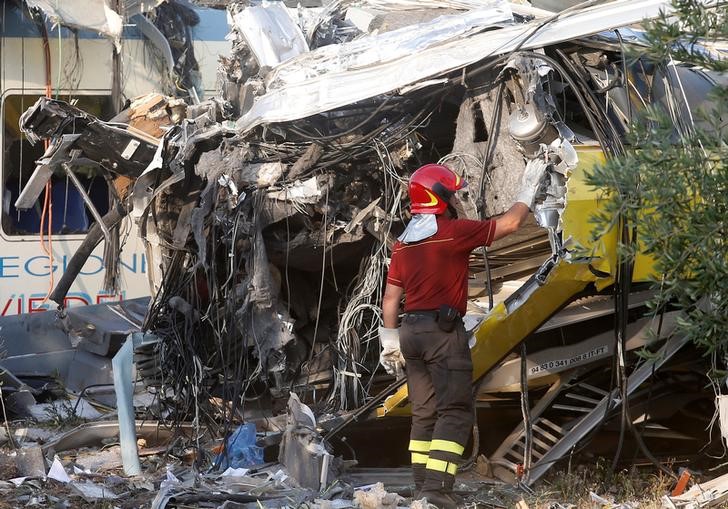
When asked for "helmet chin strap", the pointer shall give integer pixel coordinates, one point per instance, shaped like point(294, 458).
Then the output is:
point(444, 193)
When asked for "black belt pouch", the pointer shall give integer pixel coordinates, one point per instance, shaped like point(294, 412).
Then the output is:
point(447, 316)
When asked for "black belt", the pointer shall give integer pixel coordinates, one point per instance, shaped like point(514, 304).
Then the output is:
point(446, 322)
point(433, 313)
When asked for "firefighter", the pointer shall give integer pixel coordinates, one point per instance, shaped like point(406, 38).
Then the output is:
point(429, 267)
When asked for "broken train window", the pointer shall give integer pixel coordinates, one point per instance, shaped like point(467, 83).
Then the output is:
point(69, 214)
point(622, 87)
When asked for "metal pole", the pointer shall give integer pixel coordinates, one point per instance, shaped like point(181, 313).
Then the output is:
point(87, 201)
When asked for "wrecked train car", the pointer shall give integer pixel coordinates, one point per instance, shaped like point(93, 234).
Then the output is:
point(95, 60)
point(268, 212)
point(81, 53)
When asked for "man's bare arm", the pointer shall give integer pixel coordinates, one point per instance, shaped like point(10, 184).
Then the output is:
point(390, 305)
point(511, 220)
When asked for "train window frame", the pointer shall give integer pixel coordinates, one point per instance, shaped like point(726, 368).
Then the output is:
point(5, 172)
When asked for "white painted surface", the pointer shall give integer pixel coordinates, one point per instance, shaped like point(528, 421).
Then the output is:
point(26, 272)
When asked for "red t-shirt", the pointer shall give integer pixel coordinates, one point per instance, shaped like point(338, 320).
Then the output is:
point(434, 271)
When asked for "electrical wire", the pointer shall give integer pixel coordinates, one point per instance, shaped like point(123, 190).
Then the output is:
point(47, 212)
point(324, 235)
point(623, 282)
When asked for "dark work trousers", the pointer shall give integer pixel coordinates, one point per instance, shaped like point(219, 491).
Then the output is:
point(439, 380)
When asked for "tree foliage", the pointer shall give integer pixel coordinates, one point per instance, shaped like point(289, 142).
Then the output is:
point(669, 190)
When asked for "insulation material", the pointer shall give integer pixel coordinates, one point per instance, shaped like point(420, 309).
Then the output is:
point(154, 113)
point(94, 15)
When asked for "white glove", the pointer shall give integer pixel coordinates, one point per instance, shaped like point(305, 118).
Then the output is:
point(391, 357)
point(531, 181)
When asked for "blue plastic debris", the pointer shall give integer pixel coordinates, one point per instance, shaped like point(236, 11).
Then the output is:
point(240, 449)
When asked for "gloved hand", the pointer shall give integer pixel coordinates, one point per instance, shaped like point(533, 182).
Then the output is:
point(391, 357)
point(531, 180)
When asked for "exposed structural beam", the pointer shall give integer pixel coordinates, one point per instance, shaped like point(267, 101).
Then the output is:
point(596, 415)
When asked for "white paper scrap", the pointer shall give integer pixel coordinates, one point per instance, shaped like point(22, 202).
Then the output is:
point(57, 471)
point(235, 472)
point(92, 492)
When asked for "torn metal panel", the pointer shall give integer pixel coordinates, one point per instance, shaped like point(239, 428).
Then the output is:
point(100, 16)
point(44, 347)
point(119, 149)
point(95, 433)
point(303, 451)
point(102, 329)
point(415, 5)
point(338, 85)
point(364, 54)
point(270, 32)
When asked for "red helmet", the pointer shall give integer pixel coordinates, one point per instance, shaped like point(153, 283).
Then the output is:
point(431, 187)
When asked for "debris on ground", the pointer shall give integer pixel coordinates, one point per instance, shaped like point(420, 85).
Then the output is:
point(712, 493)
point(371, 497)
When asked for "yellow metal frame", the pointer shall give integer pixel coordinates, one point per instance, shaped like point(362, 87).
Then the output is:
point(582, 203)
point(513, 320)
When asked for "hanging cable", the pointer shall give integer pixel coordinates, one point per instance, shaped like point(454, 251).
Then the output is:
point(487, 159)
point(623, 282)
point(47, 213)
point(323, 272)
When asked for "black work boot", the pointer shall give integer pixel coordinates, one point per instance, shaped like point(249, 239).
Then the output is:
point(419, 473)
point(447, 487)
point(440, 499)
point(438, 490)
